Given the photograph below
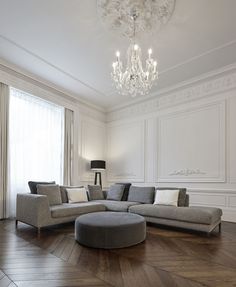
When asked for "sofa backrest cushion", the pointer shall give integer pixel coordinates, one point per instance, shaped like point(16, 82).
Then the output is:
point(126, 190)
point(115, 192)
point(63, 189)
point(141, 194)
point(182, 194)
point(95, 192)
point(33, 185)
point(52, 191)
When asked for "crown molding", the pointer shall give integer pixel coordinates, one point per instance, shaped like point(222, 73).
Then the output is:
point(182, 85)
point(50, 64)
point(15, 72)
point(233, 42)
point(208, 84)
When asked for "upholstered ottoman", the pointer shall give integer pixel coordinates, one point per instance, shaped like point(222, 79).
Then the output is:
point(110, 229)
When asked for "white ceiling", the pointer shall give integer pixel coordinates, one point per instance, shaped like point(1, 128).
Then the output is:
point(64, 42)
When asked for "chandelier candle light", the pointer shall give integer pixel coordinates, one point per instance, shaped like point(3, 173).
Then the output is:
point(134, 80)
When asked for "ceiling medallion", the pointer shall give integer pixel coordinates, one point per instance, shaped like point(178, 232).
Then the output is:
point(129, 17)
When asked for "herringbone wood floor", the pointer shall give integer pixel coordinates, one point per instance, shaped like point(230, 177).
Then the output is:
point(168, 258)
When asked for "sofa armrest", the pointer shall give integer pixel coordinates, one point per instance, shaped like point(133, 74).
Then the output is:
point(32, 209)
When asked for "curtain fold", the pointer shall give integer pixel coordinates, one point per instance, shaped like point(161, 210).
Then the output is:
point(4, 122)
point(68, 146)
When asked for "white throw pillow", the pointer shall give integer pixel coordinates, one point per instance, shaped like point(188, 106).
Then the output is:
point(167, 197)
point(77, 195)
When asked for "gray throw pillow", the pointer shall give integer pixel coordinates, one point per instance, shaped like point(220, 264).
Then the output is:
point(52, 192)
point(182, 197)
point(126, 190)
point(141, 194)
point(33, 185)
point(182, 194)
point(95, 192)
point(115, 192)
point(63, 189)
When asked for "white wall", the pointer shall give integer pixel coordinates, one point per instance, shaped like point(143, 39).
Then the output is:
point(186, 138)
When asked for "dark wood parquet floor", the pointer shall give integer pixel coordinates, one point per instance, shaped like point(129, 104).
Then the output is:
point(168, 258)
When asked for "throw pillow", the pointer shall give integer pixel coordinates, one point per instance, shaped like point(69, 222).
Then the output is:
point(33, 185)
point(141, 194)
point(77, 195)
point(95, 192)
point(167, 197)
point(126, 190)
point(182, 194)
point(182, 197)
point(115, 192)
point(63, 189)
point(52, 191)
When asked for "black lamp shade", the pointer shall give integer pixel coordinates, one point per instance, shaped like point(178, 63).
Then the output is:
point(98, 164)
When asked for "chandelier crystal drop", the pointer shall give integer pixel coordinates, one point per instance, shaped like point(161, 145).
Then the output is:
point(134, 79)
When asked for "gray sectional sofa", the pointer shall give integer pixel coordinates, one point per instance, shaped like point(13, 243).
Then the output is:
point(34, 209)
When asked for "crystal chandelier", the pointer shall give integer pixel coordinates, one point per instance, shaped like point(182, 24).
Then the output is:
point(129, 17)
point(134, 79)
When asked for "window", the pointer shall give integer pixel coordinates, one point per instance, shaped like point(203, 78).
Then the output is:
point(36, 142)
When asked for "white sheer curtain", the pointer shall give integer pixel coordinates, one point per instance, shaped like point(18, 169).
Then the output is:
point(36, 142)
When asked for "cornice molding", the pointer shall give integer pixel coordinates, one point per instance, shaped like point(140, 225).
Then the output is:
point(53, 66)
point(196, 91)
point(19, 79)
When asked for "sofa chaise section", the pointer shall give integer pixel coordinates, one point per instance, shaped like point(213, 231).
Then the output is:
point(196, 218)
point(34, 209)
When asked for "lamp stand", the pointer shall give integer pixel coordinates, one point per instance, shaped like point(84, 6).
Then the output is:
point(98, 174)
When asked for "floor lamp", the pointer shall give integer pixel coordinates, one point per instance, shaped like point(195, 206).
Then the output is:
point(97, 166)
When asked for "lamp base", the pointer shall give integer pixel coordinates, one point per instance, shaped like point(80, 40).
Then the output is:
point(98, 174)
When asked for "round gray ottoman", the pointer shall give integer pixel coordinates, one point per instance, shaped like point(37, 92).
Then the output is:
point(110, 229)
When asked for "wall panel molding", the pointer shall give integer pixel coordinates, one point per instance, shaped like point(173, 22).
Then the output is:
point(232, 138)
point(92, 146)
point(126, 151)
point(191, 145)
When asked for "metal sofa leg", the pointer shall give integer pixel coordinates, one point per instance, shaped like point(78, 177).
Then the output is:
point(220, 228)
point(16, 223)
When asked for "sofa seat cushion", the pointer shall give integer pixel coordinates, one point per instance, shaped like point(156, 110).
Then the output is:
point(73, 209)
point(203, 215)
point(113, 205)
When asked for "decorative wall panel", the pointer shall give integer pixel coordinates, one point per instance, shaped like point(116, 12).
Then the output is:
point(93, 146)
point(126, 152)
point(192, 145)
point(232, 139)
